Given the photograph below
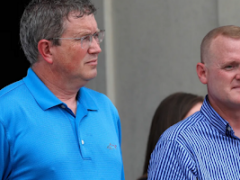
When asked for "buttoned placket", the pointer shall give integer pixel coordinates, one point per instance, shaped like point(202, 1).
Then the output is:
point(73, 122)
point(76, 121)
point(231, 134)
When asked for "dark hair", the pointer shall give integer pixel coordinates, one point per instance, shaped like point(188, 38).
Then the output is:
point(44, 19)
point(170, 111)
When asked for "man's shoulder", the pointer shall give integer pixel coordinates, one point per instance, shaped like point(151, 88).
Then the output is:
point(11, 90)
point(184, 128)
point(11, 98)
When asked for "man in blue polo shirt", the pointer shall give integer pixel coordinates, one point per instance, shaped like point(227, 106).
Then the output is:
point(206, 145)
point(51, 127)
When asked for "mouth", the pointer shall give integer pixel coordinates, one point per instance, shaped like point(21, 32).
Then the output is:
point(236, 87)
point(92, 62)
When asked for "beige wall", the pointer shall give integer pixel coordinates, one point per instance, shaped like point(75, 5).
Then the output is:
point(150, 51)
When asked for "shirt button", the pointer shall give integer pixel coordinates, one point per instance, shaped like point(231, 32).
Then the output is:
point(229, 128)
point(62, 106)
point(82, 142)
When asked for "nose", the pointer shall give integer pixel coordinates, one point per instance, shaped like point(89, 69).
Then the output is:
point(238, 76)
point(94, 47)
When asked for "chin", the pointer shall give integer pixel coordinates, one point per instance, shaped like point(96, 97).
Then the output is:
point(91, 76)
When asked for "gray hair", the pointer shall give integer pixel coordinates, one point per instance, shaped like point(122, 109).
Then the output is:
point(44, 19)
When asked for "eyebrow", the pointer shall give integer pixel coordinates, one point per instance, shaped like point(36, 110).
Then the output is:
point(229, 63)
point(80, 34)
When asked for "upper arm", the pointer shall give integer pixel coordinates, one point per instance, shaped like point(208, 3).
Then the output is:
point(119, 130)
point(117, 121)
point(171, 160)
point(4, 153)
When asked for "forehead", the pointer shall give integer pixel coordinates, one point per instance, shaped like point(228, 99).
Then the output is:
point(85, 24)
point(224, 49)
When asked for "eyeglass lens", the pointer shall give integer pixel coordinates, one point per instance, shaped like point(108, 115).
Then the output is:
point(86, 41)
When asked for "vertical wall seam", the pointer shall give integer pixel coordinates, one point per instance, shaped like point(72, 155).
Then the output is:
point(109, 48)
point(218, 12)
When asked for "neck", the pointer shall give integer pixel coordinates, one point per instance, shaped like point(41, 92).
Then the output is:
point(231, 115)
point(234, 122)
point(64, 90)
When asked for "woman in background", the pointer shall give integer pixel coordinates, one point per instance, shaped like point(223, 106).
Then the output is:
point(171, 110)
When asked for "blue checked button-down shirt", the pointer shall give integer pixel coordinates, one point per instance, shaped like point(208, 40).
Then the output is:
point(201, 147)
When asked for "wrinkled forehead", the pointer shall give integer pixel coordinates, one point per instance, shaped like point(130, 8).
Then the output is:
point(80, 25)
point(75, 14)
point(72, 15)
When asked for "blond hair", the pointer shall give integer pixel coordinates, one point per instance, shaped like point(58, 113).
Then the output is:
point(230, 31)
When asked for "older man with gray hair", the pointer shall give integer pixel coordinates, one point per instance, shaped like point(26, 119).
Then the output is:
point(51, 126)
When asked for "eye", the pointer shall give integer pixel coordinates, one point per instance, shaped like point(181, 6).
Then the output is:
point(86, 38)
point(229, 67)
point(95, 35)
point(78, 39)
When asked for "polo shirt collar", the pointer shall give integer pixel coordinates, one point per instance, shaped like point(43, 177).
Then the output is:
point(46, 99)
point(43, 96)
point(86, 99)
point(214, 118)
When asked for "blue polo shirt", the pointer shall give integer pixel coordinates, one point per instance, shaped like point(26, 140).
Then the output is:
point(41, 139)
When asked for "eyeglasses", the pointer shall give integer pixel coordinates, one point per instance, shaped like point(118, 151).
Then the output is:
point(87, 40)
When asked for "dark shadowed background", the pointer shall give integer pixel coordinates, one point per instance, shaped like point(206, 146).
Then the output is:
point(14, 65)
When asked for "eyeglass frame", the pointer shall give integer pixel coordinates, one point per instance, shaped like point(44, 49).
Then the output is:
point(82, 38)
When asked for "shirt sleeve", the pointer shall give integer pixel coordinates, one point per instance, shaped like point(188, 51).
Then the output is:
point(4, 153)
point(171, 160)
point(119, 131)
point(120, 142)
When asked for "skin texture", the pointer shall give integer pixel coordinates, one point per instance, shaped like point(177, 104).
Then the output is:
point(66, 68)
point(221, 73)
point(70, 60)
point(194, 109)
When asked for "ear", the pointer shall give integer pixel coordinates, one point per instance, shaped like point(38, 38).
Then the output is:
point(44, 48)
point(201, 72)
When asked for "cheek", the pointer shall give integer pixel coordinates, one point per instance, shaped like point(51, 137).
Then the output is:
point(76, 56)
point(217, 77)
point(70, 57)
point(215, 83)
point(222, 81)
